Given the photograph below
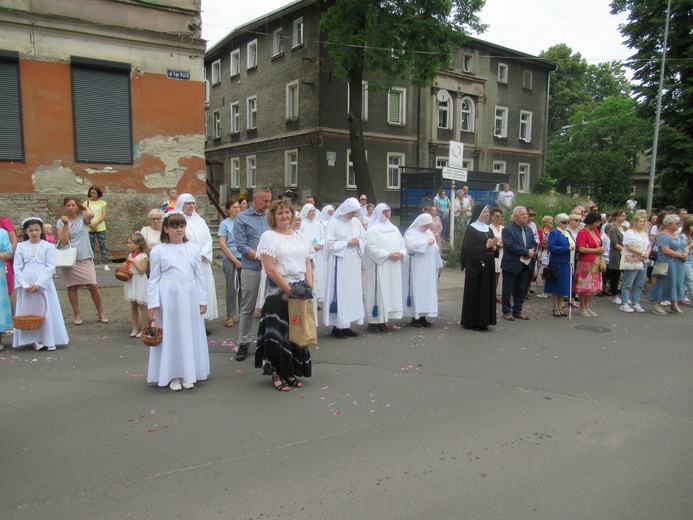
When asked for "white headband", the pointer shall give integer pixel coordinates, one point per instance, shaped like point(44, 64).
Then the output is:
point(31, 218)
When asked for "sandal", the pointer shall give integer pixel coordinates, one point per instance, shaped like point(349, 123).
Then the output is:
point(557, 313)
point(279, 383)
point(294, 382)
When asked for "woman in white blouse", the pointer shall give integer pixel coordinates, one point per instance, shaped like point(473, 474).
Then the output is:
point(637, 249)
point(286, 260)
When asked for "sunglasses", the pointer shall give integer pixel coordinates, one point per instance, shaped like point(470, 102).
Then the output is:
point(532, 214)
point(562, 221)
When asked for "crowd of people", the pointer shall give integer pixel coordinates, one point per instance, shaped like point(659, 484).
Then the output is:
point(349, 259)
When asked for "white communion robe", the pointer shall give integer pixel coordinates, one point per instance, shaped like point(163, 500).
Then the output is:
point(385, 296)
point(420, 274)
point(34, 264)
point(315, 232)
point(176, 286)
point(349, 295)
point(198, 233)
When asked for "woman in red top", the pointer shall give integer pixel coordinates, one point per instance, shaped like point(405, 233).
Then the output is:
point(588, 277)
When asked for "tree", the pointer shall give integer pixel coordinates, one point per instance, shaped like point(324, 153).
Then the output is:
point(644, 32)
point(398, 39)
point(599, 151)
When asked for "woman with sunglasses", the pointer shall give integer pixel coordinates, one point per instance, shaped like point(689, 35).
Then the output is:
point(561, 247)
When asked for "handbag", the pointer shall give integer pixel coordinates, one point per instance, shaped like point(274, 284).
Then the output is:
point(602, 264)
point(66, 257)
point(302, 329)
point(630, 261)
point(549, 273)
point(660, 269)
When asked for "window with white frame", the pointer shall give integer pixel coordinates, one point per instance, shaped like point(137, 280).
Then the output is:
point(251, 169)
point(291, 167)
point(523, 177)
point(364, 101)
point(235, 62)
point(235, 172)
point(251, 109)
point(277, 43)
point(500, 128)
point(468, 164)
point(396, 106)
point(525, 126)
point(444, 110)
point(235, 117)
point(441, 162)
point(468, 63)
point(216, 72)
point(498, 166)
point(467, 119)
point(394, 162)
point(216, 116)
point(527, 80)
point(351, 173)
point(292, 101)
point(252, 55)
point(297, 38)
point(502, 73)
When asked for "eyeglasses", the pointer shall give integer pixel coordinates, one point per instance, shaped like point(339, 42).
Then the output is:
point(532, 214)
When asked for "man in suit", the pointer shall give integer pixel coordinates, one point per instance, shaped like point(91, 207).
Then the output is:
point(519, 248)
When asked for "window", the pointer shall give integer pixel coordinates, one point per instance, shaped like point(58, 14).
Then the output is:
point(11, 131)
point(502, 73)
point(351, 173)
point(235, 172)
point(101, 111)
point(364, 100)
point(277, 43)
point(396, 103)
point(216, 117)
point(527, 80)
point(444, 110)
point(441, 162)
point(291, 167)
point(252, 55)
point(292, 101)
point(235, 118)
point(235, 62)
point(500, 128)
point(498, 166)
point(525, 126)
point(468, 63)
point(394, 161)
point(251, 107)
point(467, 123)
point(468, 164)
point(216, 72)
point(523, 177)
point(297, 39)
point(251, 168)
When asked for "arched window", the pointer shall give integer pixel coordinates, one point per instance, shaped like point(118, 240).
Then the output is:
point(468, 116)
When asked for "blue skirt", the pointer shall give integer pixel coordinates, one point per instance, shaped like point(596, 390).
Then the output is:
point(561, 286)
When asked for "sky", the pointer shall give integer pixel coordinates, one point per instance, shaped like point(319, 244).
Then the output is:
point(528, 26)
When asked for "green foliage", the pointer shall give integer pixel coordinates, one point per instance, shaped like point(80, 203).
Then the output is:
point(644, 33)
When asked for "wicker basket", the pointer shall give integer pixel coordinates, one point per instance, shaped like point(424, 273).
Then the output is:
point(123, 274)
point(28, 321)
point(152, 335)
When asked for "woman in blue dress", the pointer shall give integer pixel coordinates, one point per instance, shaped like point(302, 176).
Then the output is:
point(672, 251)
point(561, 247)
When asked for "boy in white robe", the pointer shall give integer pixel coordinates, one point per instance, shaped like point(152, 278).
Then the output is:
point(345, 241)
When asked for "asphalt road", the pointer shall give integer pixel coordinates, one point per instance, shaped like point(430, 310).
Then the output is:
point(546, 419)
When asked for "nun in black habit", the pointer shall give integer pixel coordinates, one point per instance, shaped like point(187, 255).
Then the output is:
point(479, 248)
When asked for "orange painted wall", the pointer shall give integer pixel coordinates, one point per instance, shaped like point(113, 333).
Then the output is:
point(160, 107)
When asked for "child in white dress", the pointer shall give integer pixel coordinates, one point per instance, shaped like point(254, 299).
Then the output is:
point(34, 267)
point(136, 287)
point(177, 299)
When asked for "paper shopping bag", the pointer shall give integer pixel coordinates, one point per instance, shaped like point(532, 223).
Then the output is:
point(302, 329)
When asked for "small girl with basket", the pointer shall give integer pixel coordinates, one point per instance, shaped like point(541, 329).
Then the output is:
point(136, 287)
point(34, 267)
point(177, 299)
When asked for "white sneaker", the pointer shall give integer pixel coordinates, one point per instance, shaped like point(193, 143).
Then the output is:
point(638, 308)
point(176, 385)
point(626, 308)
point(106, 268)
point(188, 386)
point(38, 345)
point(542, 295)
point(617, 301)
point(51, 348)
point(666, 302)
